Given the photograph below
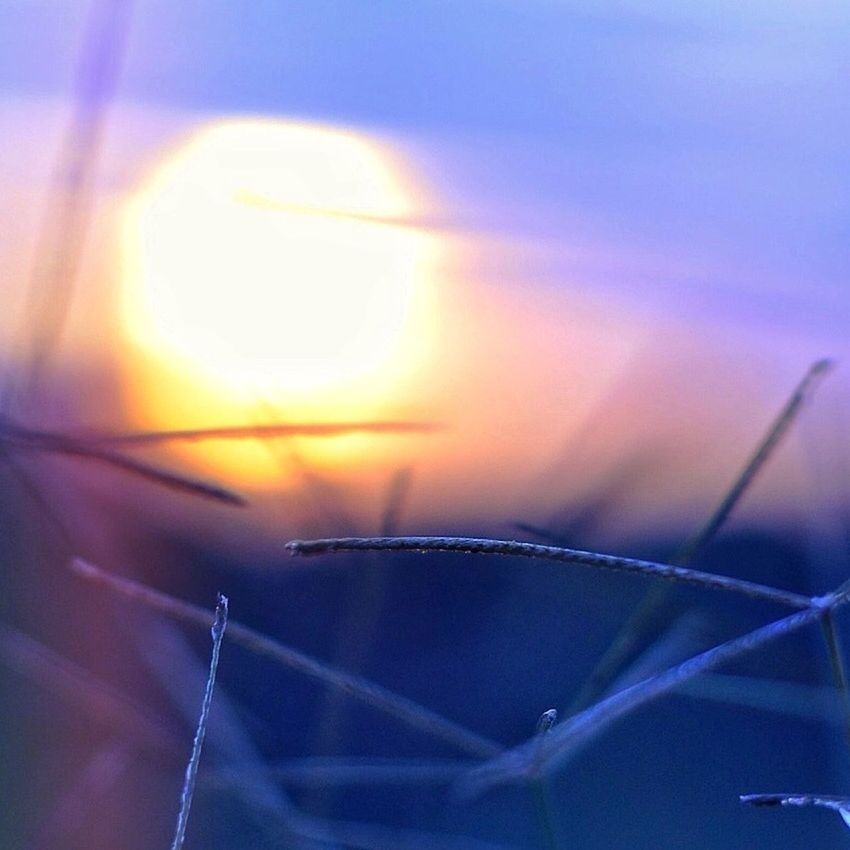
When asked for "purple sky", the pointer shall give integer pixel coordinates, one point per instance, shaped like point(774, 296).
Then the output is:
point(688, 162)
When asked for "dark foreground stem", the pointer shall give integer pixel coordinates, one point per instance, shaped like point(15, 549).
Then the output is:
point(481, 546)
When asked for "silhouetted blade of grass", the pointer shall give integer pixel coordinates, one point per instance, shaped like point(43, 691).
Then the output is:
point(793, 699)
point(634, 629)
point(825, 801)
point(321, 771)
point(532, 757)
point(64, 228)
point(22, 439)
point(258, 432)
point(838, 668)
point(407, 711)
point(358, 627)
point(513, 548)
point(218, 628)
point(78, 687)
point(396, 499)
point(370, 836)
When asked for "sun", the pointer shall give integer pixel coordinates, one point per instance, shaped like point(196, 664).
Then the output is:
point(269, 265)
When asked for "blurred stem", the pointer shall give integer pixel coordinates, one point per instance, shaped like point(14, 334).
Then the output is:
point(545, 814)
point(839, 668)
point(636, 626)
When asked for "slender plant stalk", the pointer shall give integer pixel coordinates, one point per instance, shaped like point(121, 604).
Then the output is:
point(545, 812)
point(356, 634)
point(838, 667)
point(483, 546)
point(841, 805)
point(67, 217)
point(257, 432)
point(320, 771)
point(791, 699)
point(218, 627)
point(23, 439)
point(534, 756)
point(370, 836)
point(763, 451)
point(97, 447)
point(94, 698)
point(405, 710)
point(643, 615)
point(828, 800)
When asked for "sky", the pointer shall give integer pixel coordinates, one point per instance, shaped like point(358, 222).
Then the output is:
point(709, 134)
point(679, 173)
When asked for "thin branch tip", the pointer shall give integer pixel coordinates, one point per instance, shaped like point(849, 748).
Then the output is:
point(221, 610)
point(822, 366)
point(82, 567)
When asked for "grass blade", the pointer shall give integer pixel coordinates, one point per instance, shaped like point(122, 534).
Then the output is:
point(532, 757)
point(839, 668)
point(257, 432)
point(512, 548)
point(322, 771)
point(635, 627)
point(825, 801)
point(94, 698)
point(219, 625)
point(20, 438)
point(792, 699)
point(407, 711)
point(65, 226)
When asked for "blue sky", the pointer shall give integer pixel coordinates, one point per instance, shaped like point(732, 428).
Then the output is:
point(680, 166)
point(712, 134)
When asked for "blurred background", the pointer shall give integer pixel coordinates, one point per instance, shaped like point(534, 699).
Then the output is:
point(549, 270)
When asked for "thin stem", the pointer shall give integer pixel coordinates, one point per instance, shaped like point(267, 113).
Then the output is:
point(564, 740)
point(839, 668)
point(479, 546)
point(21, 439)
point(321, 771)
point(218, 627)
point(638, 622)
point(94, 698)
point(407, 711)
point(356, 634)
point(792, 699)
point(763, 451)
point(544, 812)
point(257, 432)
point(827, 801)
point(67, 217)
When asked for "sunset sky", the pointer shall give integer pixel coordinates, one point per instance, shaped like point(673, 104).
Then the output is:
point(612, 201)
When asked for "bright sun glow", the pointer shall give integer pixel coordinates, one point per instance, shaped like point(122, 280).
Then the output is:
point(272, 265)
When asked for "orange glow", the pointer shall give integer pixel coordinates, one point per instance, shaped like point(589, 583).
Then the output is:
point(269, 271)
